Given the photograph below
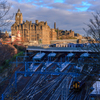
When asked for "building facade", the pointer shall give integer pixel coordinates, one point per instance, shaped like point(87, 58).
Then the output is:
point(61, 34)
point(38, 32)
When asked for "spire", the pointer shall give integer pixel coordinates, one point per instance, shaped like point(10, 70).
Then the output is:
point(18, 11)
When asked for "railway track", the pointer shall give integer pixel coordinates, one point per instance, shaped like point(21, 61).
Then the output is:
point(27, 86)
point(33, 88)
point(10, 87)
point(49, 90)
point(57, 93)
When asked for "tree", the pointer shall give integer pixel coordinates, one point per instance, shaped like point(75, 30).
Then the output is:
point(4, 9)
point(93, 31)
point(6, 51)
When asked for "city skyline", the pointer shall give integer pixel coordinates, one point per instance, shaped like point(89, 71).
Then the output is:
point(67, 14)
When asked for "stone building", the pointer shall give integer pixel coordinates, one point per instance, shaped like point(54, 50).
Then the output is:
point(61, 34)
point(78, 36)
point(4, 35)
point(38, 32)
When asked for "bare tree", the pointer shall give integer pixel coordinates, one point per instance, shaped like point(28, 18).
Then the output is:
point(93, 31)
point(93, 65)
point(4, 10)
point(6, 51)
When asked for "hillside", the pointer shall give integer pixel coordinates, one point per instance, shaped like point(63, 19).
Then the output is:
point(6, 52)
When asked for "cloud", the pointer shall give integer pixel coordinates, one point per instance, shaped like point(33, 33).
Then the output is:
point(95, 5)
point(61, 6)
point(67, 14)
point(73, 1)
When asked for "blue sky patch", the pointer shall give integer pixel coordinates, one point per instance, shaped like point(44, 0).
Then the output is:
point(61, 1)
point(49, 7)
point(86, 4)
point(34, 4)
point(81, 9)
point(40, 1)
point(19, 1)
point(41, 5)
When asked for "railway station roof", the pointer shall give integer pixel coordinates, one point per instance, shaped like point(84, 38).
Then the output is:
point(96, 87)
point(70, 55)
point(52, 55)
point(59, 49)
point(85, 55)
point(38, 56)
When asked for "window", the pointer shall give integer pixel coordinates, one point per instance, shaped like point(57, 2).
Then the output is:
point(37, 36)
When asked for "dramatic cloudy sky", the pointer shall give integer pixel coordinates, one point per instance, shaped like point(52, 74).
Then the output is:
point(68, 14)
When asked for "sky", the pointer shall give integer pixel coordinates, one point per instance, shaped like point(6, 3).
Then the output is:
point(68, 14)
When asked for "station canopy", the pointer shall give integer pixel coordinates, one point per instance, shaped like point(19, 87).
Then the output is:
point(70, 55)
point(85, 55)
point(51, 54)
point(39, 56)
point(96, 87)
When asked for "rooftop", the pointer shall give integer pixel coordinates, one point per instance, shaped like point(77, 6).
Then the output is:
point(85, 55)
point(96, 87)
point(70, 55)
point(39, 56)
point(60, 49)
point(52, 55)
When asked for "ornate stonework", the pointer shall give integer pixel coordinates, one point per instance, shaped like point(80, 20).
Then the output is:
point(32, 32)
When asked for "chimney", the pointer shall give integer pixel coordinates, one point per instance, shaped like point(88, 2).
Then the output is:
point(54, 25)
point(36, 21)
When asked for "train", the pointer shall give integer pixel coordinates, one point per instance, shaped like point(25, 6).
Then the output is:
point(78, 83)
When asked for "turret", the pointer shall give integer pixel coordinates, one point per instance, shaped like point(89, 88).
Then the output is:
point(18, 17)
point(36, 21)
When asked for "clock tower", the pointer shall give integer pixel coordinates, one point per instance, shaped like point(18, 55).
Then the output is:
point(19, 17)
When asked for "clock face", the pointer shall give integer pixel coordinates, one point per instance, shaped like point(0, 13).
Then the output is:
point(17, 16)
